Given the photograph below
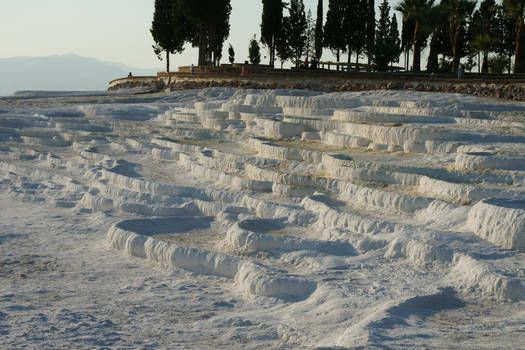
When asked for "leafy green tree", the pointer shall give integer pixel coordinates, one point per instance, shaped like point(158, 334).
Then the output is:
point(200, 14)
point(272, 18)
point(211, 18)
point(515, 9)
point(167, 29)
point(254, 51)
point(334, 37)
point(231, 54)
point(298, 26)
point(219, 31)
point(417, 11)
point(318, 41)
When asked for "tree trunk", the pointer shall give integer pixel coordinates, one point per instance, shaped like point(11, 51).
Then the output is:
point(456, 46)
point(349, 60)
point(416, 63)
point(433, 64)
point(338, 56)
point(485, 63)
point(167, 61)
point(479, 63)
point(519, 63)
point(272, 52)
point(202, 45)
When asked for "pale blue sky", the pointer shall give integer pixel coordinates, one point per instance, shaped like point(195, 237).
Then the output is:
point(113, 30)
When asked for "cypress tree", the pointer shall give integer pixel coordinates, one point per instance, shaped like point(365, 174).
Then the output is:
point(310, 36)
point(350, 14)
point(361, 34)
point(370, 31)
point(507, 36)
point(272, 18)
point(298, 27)
point(254, 51)
point(388, 43)
point(484, 30)
point(382, 46)
point(488, 10)
point(515, 9)
point(395, 41)
point(166, 29)
point(354, 26)
point(231, 54)
point(334, 37)
point(319, 31)
point(283, 49)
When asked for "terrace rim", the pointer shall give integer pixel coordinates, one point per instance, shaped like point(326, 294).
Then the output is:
point(507, 86)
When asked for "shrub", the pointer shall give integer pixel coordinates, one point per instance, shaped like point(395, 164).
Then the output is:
point(498, 64)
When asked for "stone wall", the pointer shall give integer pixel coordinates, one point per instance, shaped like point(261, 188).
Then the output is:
point(133, 82)
point(511, 89)
point(225, 69)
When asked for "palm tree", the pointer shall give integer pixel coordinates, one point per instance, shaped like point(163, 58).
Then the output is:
point(459, 11)
point(419, 12)
point(515, 9)
point(483, 44)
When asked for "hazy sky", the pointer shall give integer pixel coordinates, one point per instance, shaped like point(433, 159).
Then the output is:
point(113, 30)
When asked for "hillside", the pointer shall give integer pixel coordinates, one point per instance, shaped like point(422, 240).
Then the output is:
point(66, 72)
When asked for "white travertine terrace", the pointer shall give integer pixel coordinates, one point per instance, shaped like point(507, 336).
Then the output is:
point(293, 195)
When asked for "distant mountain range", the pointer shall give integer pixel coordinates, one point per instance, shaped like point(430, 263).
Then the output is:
point(69, 72)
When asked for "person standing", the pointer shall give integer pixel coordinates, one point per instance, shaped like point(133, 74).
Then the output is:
point(461, 70)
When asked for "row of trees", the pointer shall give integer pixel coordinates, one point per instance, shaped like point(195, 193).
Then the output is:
point(451, 29)
point(286, 37)
point(350, 28)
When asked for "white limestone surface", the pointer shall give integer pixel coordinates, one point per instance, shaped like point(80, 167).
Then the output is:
point(245, 219)
point(500, 221)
